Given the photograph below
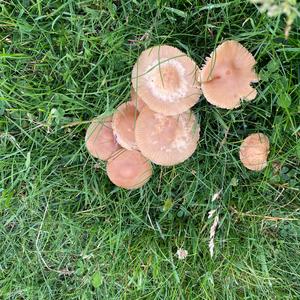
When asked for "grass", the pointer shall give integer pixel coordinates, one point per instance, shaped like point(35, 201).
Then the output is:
point(67, 233)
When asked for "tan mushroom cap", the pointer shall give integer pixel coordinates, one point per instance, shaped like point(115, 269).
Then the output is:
point(123, 124)
point(137, 100)
point(227, 75)
point(165, 78)
point(128, 169)
point(166, 140)
point(254, 151)
point(99, 139)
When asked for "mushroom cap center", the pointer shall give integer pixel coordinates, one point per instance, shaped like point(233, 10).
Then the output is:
point(167, 80)
point(225, 71)
point(127, 170)
point(166, 77)
point(164, 131)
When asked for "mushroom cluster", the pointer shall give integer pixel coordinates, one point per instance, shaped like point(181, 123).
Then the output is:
point(156, 125)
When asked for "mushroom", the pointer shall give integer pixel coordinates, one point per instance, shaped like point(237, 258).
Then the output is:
point(123, 124)
point(254, 151)
point(165, 78)
point(99, 139)
point(166, 140)
point(136, 100)
point(227, 75)
point(128, 169)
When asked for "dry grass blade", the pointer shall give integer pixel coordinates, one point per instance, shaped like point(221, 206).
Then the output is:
point(268, 218)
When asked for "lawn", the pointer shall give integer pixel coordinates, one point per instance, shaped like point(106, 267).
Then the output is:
point(66, 232)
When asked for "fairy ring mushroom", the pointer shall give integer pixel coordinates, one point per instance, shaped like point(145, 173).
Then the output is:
point(227, 75)
point(128, 169)
point(99, 139)
point(165, 78)
point(166, 140)
point(254, 151)
point(123, 124)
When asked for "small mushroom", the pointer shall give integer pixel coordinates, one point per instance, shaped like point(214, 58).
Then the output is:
point(166, 140)
point(99, 139)
point(136, 100)
point(165, 78)
point(128, 169)
point(254, 151)
point(227, 76)
point(123, 124)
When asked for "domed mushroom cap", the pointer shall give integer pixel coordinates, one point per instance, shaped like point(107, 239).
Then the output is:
point(227, 75)
point(166, 140)
point(128, 169)
point(123, 124)
point(254, 151)
point(137, 100)
point(99, 139)
point(165, 78)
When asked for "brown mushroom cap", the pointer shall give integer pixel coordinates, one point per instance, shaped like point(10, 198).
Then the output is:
point(165, 78)
point(166, 140)
point(227, 75)
point(128, 169)
point(123, 124)
point(99, 139)
point(137, 100)
point(254, 151)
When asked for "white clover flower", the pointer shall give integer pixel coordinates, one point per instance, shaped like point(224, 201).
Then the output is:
point(181, 253)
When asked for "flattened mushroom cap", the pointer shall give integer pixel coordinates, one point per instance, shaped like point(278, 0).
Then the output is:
point(99, 139)
point(166, 140)
point(136, 100)
point(128, 169)
point(123, 124)
point(227, 75)
point(254, 151)
point(165, 78)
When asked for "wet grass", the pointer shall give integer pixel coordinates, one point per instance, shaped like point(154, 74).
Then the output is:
point(67, 233)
